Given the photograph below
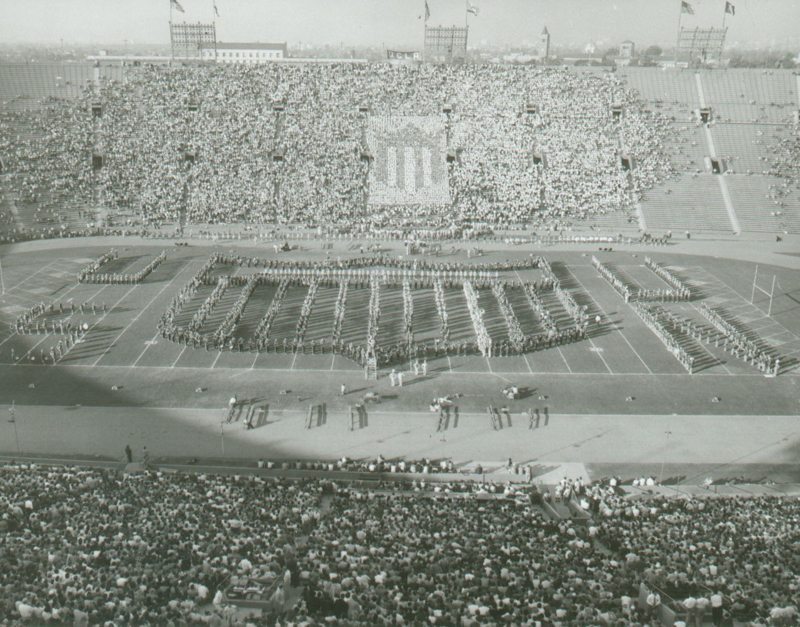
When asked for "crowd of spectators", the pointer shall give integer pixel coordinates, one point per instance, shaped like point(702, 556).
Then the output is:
point(286, 144)
point(92, 547)
point(46, 157)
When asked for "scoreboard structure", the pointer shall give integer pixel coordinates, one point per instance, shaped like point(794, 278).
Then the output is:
point(699, 46)
point(188, 40)
point(446, 44)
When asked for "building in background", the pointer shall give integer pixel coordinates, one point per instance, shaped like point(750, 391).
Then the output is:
point(544, 45)
point(250, 54)
point(627, 49)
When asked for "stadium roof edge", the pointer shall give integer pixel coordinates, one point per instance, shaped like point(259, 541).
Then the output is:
point(166, 59)
point(247, 46)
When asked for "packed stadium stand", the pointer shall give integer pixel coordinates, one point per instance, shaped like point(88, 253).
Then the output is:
point(178, 549)
point(519, 146)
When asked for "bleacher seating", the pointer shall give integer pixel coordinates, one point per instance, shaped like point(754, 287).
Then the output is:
point(675, 89)
point(611, 222)
point(688, 147)
point(49, 178)
point(35, 81)
point(750, 95)
point(692, 203)
point(745, 147)
point(760, 208)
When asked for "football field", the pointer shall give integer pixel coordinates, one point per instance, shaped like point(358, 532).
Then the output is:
point(620, 369)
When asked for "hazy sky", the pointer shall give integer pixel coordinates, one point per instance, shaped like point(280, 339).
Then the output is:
point(395, 23)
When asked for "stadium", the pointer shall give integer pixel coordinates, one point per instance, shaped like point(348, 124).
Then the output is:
point(428, 339)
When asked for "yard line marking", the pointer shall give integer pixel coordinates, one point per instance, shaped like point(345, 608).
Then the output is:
point(258, 354)
point(560, 352)
point(147, 345)
point(33, 348)
point(503, 378)
point(13, 334)
point(528, 363)
point(48, 334)
point(155, 337)
point(616, 328)
point(216, 359)
point(293, 360)
point(116, 339)
point(333, 360)
point(600, 353)
point(101, 318)
point(27, 279)
point(178, 357)
point(98, 321)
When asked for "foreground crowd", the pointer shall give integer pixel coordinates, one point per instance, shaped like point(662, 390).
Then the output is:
point(93, 548)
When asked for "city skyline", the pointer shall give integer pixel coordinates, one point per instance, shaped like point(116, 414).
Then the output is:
point(395, 22)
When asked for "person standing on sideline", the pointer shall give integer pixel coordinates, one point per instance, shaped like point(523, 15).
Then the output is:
point(145, 456)
point(128, 453)
point(342, 390)
point(400, 379)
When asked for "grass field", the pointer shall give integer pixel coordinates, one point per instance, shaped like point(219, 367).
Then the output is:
point(621, 358)
point(124, 336)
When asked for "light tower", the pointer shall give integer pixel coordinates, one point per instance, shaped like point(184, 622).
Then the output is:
point(544, 44)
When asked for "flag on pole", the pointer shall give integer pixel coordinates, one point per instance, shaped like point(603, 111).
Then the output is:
point(427, 11)
point(471, 8)
point(686, 7)
point(176, 5)
point(729, 8)
point(216, 10)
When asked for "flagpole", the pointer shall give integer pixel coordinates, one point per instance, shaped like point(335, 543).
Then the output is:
point(678, 43)
point(424, 30)
point(724, 15)
point(171, 44)
point(214, 18)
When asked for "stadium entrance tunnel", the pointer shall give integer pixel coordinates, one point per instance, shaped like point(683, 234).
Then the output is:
point(627, 162)
point(705, 115)
point(717, 166)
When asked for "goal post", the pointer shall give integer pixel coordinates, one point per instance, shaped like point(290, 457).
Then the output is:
point(770, 294)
